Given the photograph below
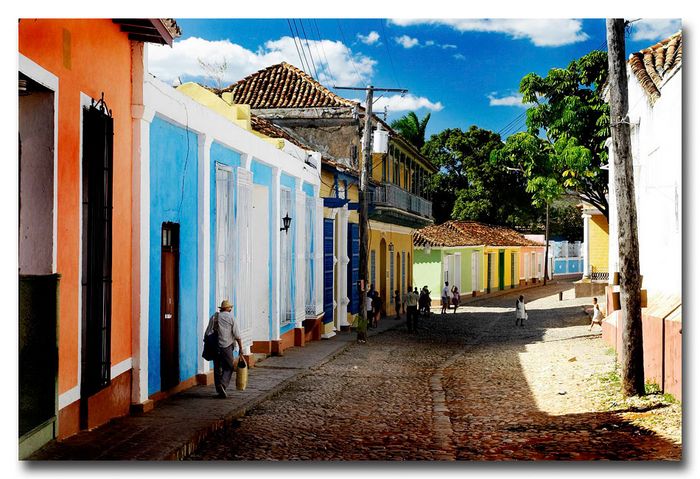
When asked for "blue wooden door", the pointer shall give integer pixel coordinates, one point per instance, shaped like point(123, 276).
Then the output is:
point(328, 227)
point(354, 269)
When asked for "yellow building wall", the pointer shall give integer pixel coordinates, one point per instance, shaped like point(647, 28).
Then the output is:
point(598, 237)
point(403, 243)
point(508, 277)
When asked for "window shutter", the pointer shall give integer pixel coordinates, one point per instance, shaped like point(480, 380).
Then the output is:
point(328, 227)
point(354, 269)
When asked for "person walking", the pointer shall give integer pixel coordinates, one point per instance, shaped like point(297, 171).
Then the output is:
point(397, 303)
point(228, 333)
point(445, 298)
point(520, 312)
point(455, 297)
point(412, 310)
point(376, 309)
point(597, 317)
point(424, 301)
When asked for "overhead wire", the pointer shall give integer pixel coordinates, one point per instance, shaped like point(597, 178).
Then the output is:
point(294, 38)
point(345, 42)
point(323, 50)
point(386, 47)
point(311, 55)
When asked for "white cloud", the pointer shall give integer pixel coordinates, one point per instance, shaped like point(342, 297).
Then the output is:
point(447, 45)
point(509, 100)
point(408, 102)
point(406, 41)
point(429, 43)
point(542, 33)
point(655, 29)
point(459, 56)
point(182, 60)
point(369, 39)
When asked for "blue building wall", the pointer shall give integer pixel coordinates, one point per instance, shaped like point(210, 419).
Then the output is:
point(173, 198)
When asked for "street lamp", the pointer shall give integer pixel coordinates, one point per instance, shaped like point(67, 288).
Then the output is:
point(286, 221)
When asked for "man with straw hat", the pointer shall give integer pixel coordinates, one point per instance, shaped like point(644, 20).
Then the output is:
point(228, 332)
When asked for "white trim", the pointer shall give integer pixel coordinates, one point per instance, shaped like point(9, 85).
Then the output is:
point(49, 80)
point(390, 228)
point(68, 397)
point(173, 106)
point(328, 335)
point(204, 267)
point(120, 368)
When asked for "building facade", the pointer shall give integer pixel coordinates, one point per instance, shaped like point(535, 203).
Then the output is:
point(76, 209)
point(655, 115)
point(477, 258)
point(332, 125)
point(214, 196)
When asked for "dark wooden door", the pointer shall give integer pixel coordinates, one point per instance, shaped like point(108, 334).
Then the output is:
point(169, 351)
point(501, 269)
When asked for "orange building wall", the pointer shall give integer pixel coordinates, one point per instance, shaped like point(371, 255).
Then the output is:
point(89, 56)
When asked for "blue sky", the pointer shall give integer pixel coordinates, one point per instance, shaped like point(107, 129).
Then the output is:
point(462, 71)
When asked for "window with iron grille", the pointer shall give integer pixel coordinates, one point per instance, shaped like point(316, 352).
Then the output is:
point(98, 133)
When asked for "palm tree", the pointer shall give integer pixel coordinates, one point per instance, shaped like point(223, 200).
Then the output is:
point(411, 128)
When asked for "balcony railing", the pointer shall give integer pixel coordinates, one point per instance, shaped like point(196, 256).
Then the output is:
point(392, 195)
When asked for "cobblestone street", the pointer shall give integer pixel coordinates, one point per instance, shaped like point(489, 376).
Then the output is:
point(467, 386)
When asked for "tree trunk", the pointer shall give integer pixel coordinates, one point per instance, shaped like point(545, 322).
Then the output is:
point(630, 284)
point(546, 247)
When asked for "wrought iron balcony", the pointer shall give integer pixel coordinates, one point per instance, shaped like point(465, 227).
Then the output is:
point(391, 197)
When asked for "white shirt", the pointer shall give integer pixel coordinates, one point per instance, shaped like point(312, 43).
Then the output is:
point(445, 292)
point(597, 315)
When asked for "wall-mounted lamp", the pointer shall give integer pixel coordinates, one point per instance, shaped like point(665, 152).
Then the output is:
point(426, 249)
point(286, 221)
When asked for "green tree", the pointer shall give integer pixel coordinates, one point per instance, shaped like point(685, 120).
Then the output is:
point(411, 128)
point(469, 186)
point(571, 114)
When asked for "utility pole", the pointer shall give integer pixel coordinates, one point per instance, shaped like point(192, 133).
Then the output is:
point(630, 284)
point(363, 207)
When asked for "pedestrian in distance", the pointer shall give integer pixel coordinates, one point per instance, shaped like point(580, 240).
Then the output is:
point(369, 299)
point(412, 310)
point(520, 311)
point(376, 309)
point(397, 303)
point(445, 298)
point(228, 333)
point(455, 297)
point(424, 301)
point(597, 316)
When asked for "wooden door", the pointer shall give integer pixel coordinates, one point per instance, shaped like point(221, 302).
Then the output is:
point(501, 269)
point(169, 351)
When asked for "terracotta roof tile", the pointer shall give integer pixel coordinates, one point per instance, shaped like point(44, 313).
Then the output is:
point(469, 233)
point(283, 86)
point(653, 65)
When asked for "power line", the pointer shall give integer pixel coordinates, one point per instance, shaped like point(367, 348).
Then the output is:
point(386, 46)
point(345, 42)
point(308, 67)
point(294, 38)
point(309, 48)
point(323, 50)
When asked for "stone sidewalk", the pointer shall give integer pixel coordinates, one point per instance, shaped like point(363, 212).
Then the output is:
point(177, 425)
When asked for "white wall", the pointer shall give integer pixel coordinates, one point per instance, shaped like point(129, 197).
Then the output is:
point(657, 148)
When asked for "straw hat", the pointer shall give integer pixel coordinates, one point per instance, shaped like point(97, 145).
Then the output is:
point(225, 305)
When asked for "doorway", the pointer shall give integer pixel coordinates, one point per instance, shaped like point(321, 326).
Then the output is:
point(169, 274)
point(501, 269)
point(381, 287)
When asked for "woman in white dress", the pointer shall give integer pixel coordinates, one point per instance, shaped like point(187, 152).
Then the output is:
point(520, 312)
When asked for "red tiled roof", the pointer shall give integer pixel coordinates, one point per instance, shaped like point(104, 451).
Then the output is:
point(653, 65)
point(283, 86)
point(469, 233)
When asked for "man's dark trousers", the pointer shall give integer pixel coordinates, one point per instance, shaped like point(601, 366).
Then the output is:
point(223, 367)
point(411, 318)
